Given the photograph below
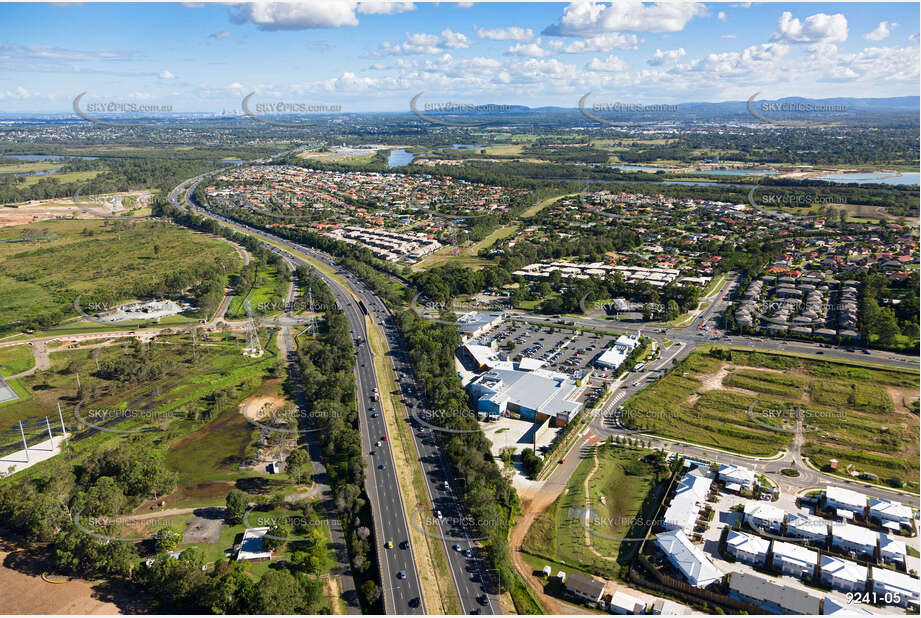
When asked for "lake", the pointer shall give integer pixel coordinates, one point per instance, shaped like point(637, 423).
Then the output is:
point(399, 158)
point(903, 178)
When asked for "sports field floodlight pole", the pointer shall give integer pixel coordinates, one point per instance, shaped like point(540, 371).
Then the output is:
point(61, 416)
point(50, 437)
point(24, 444)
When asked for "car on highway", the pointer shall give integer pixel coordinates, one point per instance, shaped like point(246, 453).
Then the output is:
point(371, 452)
point(384, 438)
point(414, 602)
point(389, 544)
point(401, 574)
point(483, 599)
point(375, 415)
point(383, 466)
point(468, 553)
point(378, 443)
point(457, 547)
point(439, 515)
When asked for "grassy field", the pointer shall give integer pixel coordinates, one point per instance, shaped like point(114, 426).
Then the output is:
point(16, 359)
point(623, 493)
point(858, 415)
point(96, 257)
point(183, 393)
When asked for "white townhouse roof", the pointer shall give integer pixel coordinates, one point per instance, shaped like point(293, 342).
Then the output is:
point(890, 545)
point(687, 558)
point(844, 570)
point(857, 535)
point(737, 474)
point(845, 497)
point(795, 554)
point(807, 525)
point(748, 543)
point(763, 511)
point(896, 582)
point(890, 509)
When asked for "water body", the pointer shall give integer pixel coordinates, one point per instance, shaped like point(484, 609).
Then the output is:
point(904, 178)
point(639, 168)
point(41, 157)
point(399, 158)
point(733, 172)
point(658, 182)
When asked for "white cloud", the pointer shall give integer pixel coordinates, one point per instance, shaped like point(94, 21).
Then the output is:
point(423, 43)
point(668, 56)
point(757, 60)
point(610, 64)
point(454, 40)
point(166, 75)
point(880, 32)
point(729, 36)
point(914, 38)
point(588, 18)
point(382, 7)
point(598, 43)
point(512, 33)
point(721, 16)
point(528, 50)
point(816, 28)
point(223, 34)
point(296, 16)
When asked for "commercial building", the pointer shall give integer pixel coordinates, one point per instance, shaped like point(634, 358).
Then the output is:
point(614, 357)
point(850, 538)
point(482, 357)
point(793, 559)
point(773, 597)
point(843, 575)
point(747, 548)
point(584, 588)
point(763, 516)
point(474, 323)
point(844, 499)
point(693, 564)
point(531, 395)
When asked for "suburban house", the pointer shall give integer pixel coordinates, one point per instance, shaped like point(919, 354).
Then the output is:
point(902, 589)
point(746, 547)
point(763, 516)
point(813, 529)
point(624, 604)
point(885, 511)
point(793, 559)
point(839, 498)
point(735, 477)
point(843, 575)
point(850, 538)
point(584, 588)
point(688, 559)
point(773, 597)
point(891, 549)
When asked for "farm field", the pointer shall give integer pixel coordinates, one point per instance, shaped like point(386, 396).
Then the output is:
point(860, 416)
point(111, 260)
point(623, 488)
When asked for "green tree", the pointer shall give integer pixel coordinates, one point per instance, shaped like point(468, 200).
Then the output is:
point(236, 506)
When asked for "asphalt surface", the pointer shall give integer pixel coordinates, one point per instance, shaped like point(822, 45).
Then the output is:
point(399, 576)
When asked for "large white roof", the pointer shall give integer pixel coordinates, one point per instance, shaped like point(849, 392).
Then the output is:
point(845, 496)
point(688, 558)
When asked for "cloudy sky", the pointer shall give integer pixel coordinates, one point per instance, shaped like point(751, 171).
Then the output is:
point(375, 56)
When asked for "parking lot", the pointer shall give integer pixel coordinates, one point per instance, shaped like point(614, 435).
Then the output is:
point(561, 350)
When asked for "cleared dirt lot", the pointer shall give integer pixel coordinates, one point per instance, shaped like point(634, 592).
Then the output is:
point(25, 591)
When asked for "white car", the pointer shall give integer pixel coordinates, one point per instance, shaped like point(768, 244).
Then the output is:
point(438, 514)
point(378, 443)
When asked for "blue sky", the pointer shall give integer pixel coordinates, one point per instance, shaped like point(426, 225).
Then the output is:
point(374, 56)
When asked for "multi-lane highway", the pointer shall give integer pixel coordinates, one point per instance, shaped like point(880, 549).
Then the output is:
point(399, 576)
